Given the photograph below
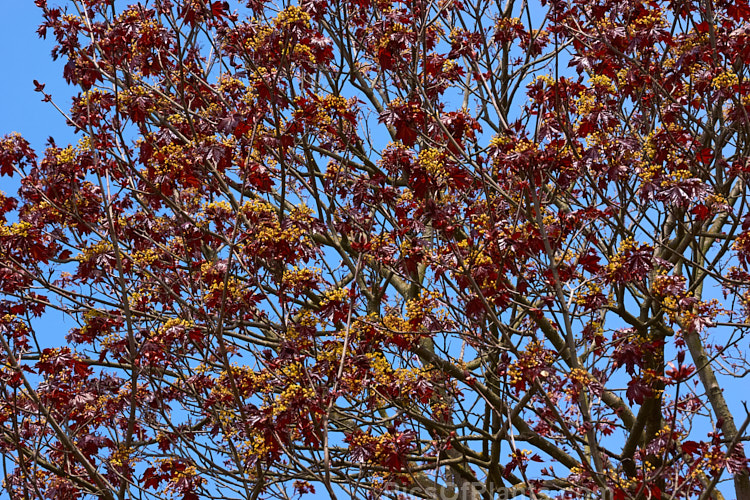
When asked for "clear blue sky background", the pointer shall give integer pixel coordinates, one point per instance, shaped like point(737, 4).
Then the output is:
point(25, 57)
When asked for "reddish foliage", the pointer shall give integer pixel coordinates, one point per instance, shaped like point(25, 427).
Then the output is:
point(541, 281)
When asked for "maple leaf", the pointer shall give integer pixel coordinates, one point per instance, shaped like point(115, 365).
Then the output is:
point(638, 391)
point(691, 447)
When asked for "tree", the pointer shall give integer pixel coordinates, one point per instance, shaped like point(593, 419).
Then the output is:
point(454, 249)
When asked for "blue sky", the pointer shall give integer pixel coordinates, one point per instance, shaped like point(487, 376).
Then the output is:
point(24, 58)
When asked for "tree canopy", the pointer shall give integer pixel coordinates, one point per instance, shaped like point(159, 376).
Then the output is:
point(382, 249)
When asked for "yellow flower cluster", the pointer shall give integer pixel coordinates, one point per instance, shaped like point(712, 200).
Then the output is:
point(380, 444)
point(89, 97)
point(172, 322)
point(16, 229)
point(146, 257)
point(714, 461)
point(508, 23)
point(363, 440)
point(740, 243)
point(291, 15)
point(392, 29)
point(247, 381)
point(332, 353)
point(180, 473)
point(525, 146)
point(717, 201)
point(333, 295)
point(89, 316)
point(647, 173)
point(481, 223)
point(330, 106)
point(129, 15)
point(602, 82)
point(67, 155)
point(257, 206)
point(269, 228)
point(335, 102)
point(619, 259)
point(234, 288)
point(382, 370)
point(580, 378)
point(662, 281)
point(533, 356)
point(228, 83)
point(173, 159)
point(588, 289)
point(108, 341)
point(256, 446)
point(128, 95)
point(586, 103)
point(217, 206)
point(307, 318)
point(653, 19)
point(291, 393)
point(677, 176)
point(725, 80)
point(293, 277)
point(499, 141)
point(254, 42)
point(301, 50)
point(394, 323)
point(120, 457)
point(449, 65)
point(425, 304)
point(94, 250)
point(476, 255)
